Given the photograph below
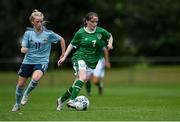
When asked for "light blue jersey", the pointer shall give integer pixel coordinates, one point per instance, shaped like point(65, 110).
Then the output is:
point(39, 45)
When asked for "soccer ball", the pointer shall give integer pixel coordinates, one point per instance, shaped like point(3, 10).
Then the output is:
point(82, 103)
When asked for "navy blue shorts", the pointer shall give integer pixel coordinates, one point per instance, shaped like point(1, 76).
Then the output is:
point(26, 70)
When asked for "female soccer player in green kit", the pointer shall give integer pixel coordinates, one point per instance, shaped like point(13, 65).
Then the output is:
point(89, 44)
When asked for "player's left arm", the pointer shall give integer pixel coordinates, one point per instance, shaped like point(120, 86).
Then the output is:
point(110, 43)
point(109, 38)
point(54, 38)
point(106, 57)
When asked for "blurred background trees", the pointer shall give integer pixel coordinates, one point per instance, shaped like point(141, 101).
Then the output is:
point(139, 27)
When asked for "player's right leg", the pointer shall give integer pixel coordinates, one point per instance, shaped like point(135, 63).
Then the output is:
point(59, 104)
point(25, 71)
point(75, 91)
point(61, 100)
point(80, 68)
point(16, 108)
point(71, 104)
point(19, 93)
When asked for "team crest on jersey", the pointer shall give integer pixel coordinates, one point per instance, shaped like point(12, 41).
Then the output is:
point(45, 40)
point(99, 36)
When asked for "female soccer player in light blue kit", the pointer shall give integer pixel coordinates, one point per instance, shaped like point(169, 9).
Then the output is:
point(36, 44)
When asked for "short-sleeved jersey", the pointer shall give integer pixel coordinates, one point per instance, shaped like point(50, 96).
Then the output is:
point(39, 44)
point(89, 46)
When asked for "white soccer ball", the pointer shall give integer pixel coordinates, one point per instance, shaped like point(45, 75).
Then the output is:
point(82, 103)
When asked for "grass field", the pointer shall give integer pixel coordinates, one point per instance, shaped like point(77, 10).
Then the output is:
point(151, 94)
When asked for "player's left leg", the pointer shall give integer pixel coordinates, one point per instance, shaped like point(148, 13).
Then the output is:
point(39, 70)
point(100, 87)
point(98, 74)
point(32, 85)
point(99, 83)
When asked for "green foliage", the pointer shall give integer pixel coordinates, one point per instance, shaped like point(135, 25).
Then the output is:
point(151, 26)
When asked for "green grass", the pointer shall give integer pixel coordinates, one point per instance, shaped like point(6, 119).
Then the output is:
point(154, 95)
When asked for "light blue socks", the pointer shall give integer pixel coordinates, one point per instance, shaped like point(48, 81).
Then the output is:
point(31, 86)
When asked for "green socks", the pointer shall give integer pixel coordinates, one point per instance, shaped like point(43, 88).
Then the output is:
point(67, 94)
point(76, 88)
point(73, 91)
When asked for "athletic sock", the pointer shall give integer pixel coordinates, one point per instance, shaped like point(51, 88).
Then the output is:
point(76, 88)
point(30, 87)
point(101, 84)
point(100, 87)
point(88, 87)
point(19, 93)
point(67, 94)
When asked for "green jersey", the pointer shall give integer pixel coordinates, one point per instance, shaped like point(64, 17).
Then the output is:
point(89, 46)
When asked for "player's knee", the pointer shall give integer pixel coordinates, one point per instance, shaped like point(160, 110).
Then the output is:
point(36, 78)
point(21, 84)
point(83, 77)
point(95, 80)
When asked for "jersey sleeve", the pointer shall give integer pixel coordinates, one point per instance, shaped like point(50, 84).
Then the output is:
point(106, 35)
point(25, 39)
point(76, 40)
point(103, 45)
point(54, 38)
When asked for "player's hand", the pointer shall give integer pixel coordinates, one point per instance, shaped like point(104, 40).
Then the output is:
point(108, 64)
point(24, 50)
point(110, 46)
point(61, 60)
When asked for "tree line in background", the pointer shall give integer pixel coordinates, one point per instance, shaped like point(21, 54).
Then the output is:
point(139, 27)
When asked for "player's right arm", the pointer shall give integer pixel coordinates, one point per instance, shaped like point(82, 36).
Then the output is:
point(24, 43)
point(68, 50)
point(73, 44)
